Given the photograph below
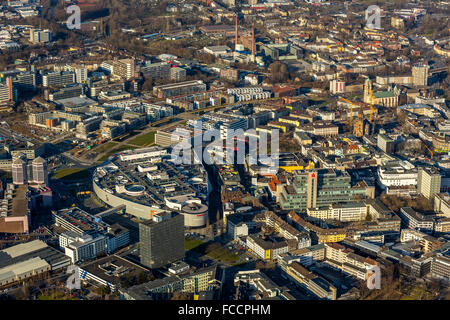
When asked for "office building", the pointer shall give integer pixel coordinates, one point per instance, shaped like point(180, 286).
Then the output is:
point(440, 266)
point(19, 171)
point(227, 124)
point(159, 70)
point(177, 74)
point(195, 282)
point(58, 79)
point(32, 172)
point(337, 86)
point(117, 237)
point(397, 174)
point(265, 248)
point(40, 36)
point(81, 74)
point(161, 239)
point(86, 247)
point(258, 282)
point(319, 188)
point(40, 171)
point(124, 68)
point(26, 81)
point(343, 212)
point(420, 74)
point(414, 220)
point(109, 271)
point(385, 143)
point(428, 182)
point(70, 91)
point(344, 258)
point(442, 204)
point(7, 92)
point(313, 283)
point(177, 89)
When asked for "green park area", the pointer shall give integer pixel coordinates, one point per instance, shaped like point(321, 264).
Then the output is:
point(72, 174)
point(115, 150)
point(190, 244)
point(55, 295)
point(212, 250)
point(144, 140)
point(416, 293)
point(105, 147)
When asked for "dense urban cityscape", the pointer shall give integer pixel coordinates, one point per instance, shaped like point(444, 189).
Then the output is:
point(224, 150)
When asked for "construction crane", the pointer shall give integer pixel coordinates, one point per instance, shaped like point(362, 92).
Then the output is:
point(351, 111)
point(431, 152)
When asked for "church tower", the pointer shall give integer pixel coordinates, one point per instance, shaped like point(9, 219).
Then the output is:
point(367, 89)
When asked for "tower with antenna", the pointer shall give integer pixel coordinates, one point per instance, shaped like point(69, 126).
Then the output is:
point(253, 43)
point(236, 33)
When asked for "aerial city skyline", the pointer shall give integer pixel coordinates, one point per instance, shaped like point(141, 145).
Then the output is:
point(227, 150)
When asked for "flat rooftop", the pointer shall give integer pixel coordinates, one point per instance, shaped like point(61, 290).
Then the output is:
point(19, 206)
point(80, 219)
point(29, 250)
point(113, 268)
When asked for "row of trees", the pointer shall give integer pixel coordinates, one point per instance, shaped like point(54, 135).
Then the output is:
point(394, 202)
point(131, 280)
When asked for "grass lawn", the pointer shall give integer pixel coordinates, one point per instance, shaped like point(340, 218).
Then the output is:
point(190, 244)
point(72, 174)
point(104, 147)
point(144, 140)
point(113, 151)
point(223, 254)
point(55, 296)
point(214, 251)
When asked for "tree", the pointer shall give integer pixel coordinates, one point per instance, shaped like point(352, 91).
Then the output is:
point(278, 72)
point(148, 84)
point(144, 277)
point(23, 293)
point(177, 295)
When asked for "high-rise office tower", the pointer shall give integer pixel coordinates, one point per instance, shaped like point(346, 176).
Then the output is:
point(81, 74)
point(161, 239)
point(40, 171)
point(420, 74)
point(7, 91)
point(428, 182)
point(33, 172)
point(19, 171)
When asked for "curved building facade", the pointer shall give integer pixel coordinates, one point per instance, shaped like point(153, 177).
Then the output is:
point(194, 211)
point(136, 209)
point(168, 187)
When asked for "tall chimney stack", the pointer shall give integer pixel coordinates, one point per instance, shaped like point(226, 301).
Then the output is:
point(253, 42)
point(236, 34)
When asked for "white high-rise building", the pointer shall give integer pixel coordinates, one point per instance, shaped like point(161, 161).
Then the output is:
point(40, 171)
